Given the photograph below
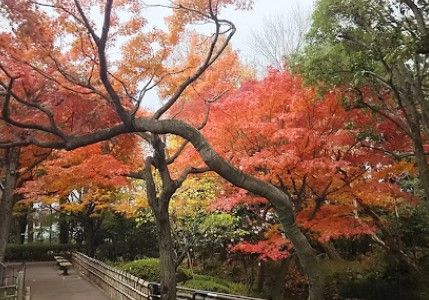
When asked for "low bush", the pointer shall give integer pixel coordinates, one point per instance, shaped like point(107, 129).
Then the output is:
point(36, 251)
point(149, 269)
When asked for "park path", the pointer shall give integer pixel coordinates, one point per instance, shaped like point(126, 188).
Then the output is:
point(46, 283)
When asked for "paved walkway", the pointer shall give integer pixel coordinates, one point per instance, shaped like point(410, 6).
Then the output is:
point(46, 283)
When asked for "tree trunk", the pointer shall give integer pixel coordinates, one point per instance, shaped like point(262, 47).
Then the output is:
point(64, 229)
point(7, 200)
point(90, 236)
point(166, 254)
point(30, 221)
point(22, 221)
point(307, 259)
point(63, 224)
point(421, 163)
point(407, 96)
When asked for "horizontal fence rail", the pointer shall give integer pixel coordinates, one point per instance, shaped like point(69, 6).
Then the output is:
point(120, 285)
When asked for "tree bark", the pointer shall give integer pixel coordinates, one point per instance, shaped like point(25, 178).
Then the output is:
point(307, 258)
point(63, 225)
point(411, 99)
point(422, 164)
point(90, 237)
point(166, 254)
point(64, 229)
point(30, 221)
point(22, 221)
point(7, 200)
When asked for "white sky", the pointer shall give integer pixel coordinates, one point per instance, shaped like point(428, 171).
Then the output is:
point(245, 21)
point(248, 21)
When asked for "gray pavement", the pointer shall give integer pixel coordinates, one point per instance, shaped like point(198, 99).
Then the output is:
point(46, 283)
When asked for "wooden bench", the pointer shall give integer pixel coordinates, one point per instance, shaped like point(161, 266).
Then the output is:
point(59, 260)
point(65, 266)
point(63, 263)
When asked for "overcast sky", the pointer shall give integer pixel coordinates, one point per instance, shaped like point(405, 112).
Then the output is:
point(245, 21)
point(248, 21)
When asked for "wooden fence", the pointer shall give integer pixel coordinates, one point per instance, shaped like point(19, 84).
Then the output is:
point(12, 283)
point(120, 285)
point(117, 284)
point(2, 273)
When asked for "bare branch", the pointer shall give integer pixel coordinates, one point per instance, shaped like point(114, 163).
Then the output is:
point(86, 21)
point(211, 57)
point(6, 114)
point(191, 170)
point(101, 48)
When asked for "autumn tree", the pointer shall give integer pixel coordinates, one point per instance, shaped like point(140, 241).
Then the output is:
point(77, 94)
point(323, 155)
point(88, 182)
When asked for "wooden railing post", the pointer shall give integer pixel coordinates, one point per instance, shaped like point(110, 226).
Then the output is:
point(2, 274)
point(20, 285)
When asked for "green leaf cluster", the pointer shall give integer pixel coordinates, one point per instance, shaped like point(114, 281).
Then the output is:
point(351, 40)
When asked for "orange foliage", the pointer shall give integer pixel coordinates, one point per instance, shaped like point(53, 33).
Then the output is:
point(314, 149)
point(97, 171)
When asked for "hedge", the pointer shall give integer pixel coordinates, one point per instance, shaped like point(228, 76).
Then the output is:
point(149, 269)
point(36, 251)
point(215, 284)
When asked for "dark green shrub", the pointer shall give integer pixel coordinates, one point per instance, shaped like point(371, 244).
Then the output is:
point(127, 239)
point(148, 269)
point(412, 226)
point(395, 284)
point(215, 284)
point(36, 251)
point(375, 277)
